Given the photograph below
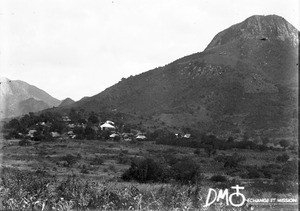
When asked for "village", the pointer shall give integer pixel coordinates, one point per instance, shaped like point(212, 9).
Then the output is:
point(71, 130)
point(81, 125)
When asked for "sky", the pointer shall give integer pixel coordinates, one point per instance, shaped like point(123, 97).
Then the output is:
point(77, 48)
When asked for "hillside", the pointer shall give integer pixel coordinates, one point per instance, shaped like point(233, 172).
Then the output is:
point(245, 81)
point(19, 97)
point(66, 102)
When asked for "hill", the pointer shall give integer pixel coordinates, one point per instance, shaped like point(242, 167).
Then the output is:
point(19, 97)
point(66, 102)
point(245, 81)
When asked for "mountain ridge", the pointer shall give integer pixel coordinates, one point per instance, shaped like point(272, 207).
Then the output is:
point(19, 97)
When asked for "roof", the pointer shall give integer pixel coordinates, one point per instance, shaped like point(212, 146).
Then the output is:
point(114, 135)
point(106, 125)
point(55, 134)
point(141, 137)
point(110, 122)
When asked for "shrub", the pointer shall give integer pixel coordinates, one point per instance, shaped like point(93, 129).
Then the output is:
point(282, 158)
point(271, 170)
point(112, 168)
point(89, 133)
point(97, 161)
point(171, 159)
point(253, 174)
point(220, 158)
point(209, 150)
point(84, 170)
point(123, 159)
point(218, 178)
point(70, 159)
point(24, 142)
point(144, 171)
point(197, 152)
point(186, 171)
point(289, 170)
point(284, 143)
point(13, 134)
point(233, 161)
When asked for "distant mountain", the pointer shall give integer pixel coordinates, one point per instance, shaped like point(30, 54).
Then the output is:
point(32, 105)
point(245, 81)
point(66, 102)
point(19, 97)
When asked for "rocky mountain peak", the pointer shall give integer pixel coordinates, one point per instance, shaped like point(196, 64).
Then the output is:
point(3, 79)
point(258, 27)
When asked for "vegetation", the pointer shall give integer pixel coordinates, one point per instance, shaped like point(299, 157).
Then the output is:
point(24, 190)
point(282, 158)
point(176, 163)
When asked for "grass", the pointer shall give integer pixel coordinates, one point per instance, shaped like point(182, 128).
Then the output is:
point(34, 176)
point(24, 190)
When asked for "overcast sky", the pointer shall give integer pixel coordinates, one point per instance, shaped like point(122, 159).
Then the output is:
point(77, 48)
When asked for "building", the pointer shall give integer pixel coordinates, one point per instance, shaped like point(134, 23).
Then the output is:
point(107, 126)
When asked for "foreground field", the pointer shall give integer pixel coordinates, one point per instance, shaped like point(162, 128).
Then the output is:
point(109, 159)
point(86, 174)
point(22, 190)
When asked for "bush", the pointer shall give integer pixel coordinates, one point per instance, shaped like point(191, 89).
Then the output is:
point(123, 159)
point(70, 159)
point(233, 161)
point(145, 170)
point(186, 171)
point(112, 168)
point(284, 143)
point(253, 174)
point(24, 142)
point(89, 133)
point(289, 170)
point(282, 158)
point(97, 161)
point(13, 134)
point(84, 170)
point(197, 152)
point(218, 178)
point(220, 158)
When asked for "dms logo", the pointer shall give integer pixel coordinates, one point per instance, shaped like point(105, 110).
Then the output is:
point(213, 196)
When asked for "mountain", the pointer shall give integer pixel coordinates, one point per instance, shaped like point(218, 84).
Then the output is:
point(32, 105)
point(245, 81)
point(19, 97)
point(66, 102)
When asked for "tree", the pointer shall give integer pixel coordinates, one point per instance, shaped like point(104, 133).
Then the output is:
point(73, 115)
point(230, 139)
point(93, 119)
point(79, 132)
point(89, 133)
point(284, 143)
point(197, 152)
point(265, 140)
point(82, 121)
point(13, 124)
